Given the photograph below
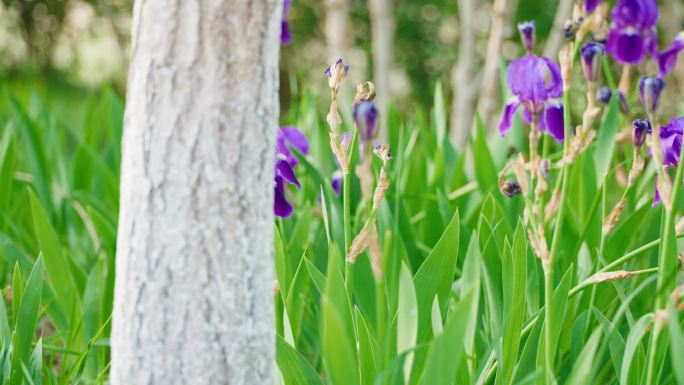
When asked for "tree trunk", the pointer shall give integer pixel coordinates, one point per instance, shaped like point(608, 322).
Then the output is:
point(464, 85)
point(337, 28)
point(382, 31)
point(503, 13)
point(556, 36)
point(194, 273)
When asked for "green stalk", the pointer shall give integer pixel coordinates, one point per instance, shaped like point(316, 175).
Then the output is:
point(349, 266)
point(548, 273)
point(664, 284)
point(280, 308)
point(602, 249)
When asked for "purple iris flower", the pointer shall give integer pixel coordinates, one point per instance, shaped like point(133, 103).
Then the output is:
point(671, 141)
point(284, 166)
point(592, 54)
point(667, 60)
point(590, 5)
point(671, 144)
point(535, 81)
point(285, 35)
point(632, 32)
point(290, 136)
point(650, 88)
point(366, 118)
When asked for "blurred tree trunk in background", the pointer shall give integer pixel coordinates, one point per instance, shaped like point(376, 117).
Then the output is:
point(382, 25)
point(337, 34)
point(194, 269)
point(556, 35)
point(503, 17)
point(464, 84)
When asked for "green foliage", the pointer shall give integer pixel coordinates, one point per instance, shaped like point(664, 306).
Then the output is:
point(59, 166)
point(461, 298)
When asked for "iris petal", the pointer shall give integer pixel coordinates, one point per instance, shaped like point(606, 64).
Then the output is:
point(296, 138)
point(281, 207)
point(284, 170)
point(641, 14)
point(534, 80)
point(626, 45)
point(553, 120)
point(590, 5)
point(507, 117)
point(667, 60)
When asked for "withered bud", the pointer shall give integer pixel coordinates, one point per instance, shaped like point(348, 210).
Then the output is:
point(545, 167)
point(679, 228)
point(336, 74)
point(570, 27)
point(565, 60)
point(510, 188)
point(609, 276)
point(365, 92)
point(359, 244)
point(383, 152)
point(613, 218)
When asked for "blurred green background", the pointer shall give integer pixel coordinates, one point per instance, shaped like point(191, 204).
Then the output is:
point(86, 43)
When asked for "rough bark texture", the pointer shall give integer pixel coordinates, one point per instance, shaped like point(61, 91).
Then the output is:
point(194, 284)
point(382, 31)
point(503, 13)
point(464, 84)
point(337, 28)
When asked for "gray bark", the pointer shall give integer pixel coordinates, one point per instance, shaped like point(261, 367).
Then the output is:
point(464, 84)
point(501, 26)
point(194, 273)
point(382, 37)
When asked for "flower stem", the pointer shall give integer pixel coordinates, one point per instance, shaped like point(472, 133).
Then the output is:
point(349, 266)
point(667, 263)
point(601, 251)
point(548, 274)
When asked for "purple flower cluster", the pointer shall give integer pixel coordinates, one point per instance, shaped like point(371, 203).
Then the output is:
point(671, 145)
point(632, 33)
point(288, 136)
point(534, 81)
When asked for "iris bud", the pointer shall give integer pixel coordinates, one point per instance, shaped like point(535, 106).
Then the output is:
point(366, 118)
point(526, 29)
point(511, 188)
point(641, 128)
point(603, 95)
point(336, 74)
point(650, 88)
point(592, 54)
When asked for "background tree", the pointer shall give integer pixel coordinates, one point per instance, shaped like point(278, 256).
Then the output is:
point(193, 298)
